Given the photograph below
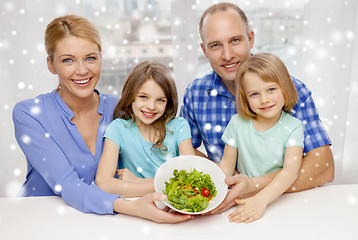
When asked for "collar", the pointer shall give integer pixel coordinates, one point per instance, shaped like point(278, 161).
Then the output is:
point(216, 87)
point(68, 112)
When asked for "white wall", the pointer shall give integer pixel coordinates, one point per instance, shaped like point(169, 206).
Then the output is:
point(327, 64)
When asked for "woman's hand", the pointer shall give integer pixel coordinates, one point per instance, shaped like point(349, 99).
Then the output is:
point(145, 207)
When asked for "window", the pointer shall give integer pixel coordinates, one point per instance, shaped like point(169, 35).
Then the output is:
point(131, 31)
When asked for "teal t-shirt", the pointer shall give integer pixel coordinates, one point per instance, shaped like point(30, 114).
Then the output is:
point(137, 154)
point(260, 153)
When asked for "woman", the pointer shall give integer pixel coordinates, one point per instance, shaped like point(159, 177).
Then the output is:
point(61, 132)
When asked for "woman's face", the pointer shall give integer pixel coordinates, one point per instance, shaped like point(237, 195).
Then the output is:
point(77, 62)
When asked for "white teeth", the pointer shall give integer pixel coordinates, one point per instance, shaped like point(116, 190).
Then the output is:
point(231, 65)
point(82, 81)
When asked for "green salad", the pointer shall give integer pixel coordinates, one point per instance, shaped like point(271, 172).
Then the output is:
point(190, 191)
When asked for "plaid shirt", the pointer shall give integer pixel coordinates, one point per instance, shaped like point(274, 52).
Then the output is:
point(208, 107)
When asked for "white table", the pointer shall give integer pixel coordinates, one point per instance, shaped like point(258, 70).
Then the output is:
point(327, 212)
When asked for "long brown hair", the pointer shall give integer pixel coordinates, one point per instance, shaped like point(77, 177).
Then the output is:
point(269, 68)
point(160, 74)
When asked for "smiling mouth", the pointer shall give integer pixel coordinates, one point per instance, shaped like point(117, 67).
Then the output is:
point(147, 114)
point(267, 108)
point(82, 81)
point(230, 65)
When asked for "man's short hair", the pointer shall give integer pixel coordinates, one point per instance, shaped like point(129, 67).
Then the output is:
point(222, 7)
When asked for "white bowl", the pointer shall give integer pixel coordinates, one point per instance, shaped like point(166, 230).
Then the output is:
point(188, 163)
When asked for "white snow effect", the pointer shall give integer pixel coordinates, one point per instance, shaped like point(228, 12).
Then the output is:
point(12, 188)
point(232, 142)
point(214, 92)
point(292, 142)
point(146, 230)
point(61, 10)
point(40, 47)
point(21, 85)
point(218, 128)
point(35, 110)
point(352, 200)
point(207, 126)
point(9, 6)
point(17, 172)
point(26, 139)
point(58, 188)
point(350, 35)
point(147, 33)
point(212, 148)
point(61, 210)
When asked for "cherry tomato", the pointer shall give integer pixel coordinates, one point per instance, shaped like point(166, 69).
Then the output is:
point(205, 192)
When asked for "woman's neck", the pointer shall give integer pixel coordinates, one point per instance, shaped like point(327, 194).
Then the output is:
point(80, 105)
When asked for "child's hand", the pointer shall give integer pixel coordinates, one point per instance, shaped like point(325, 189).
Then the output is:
point(126, 175)
point(253, 208)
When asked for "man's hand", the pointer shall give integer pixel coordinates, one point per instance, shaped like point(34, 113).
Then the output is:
point(241, 186)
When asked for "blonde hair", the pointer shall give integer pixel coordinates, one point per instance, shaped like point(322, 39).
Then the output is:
point(69, 25)
point(160, 74)
point(269, 68)
point(222, 7)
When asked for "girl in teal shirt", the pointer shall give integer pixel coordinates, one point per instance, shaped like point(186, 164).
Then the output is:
point(145, 132)
point(263, 137)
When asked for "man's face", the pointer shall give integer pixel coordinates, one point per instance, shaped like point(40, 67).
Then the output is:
point(226, 42)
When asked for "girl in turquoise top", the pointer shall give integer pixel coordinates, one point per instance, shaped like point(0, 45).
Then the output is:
point(263, 137)
point(145, 132)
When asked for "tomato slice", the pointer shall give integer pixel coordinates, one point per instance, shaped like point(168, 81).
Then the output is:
point(205, 192)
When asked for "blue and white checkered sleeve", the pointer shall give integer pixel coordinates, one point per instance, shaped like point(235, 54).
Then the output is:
point(305, 110)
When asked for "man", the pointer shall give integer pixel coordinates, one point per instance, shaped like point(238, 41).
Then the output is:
point(209, 103)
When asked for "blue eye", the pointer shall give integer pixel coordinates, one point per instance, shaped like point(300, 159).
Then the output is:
point(236, 41)
point(214, 46)
point(272, 89)
point(67, 60)
point(91, 59)
point(253, 94)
